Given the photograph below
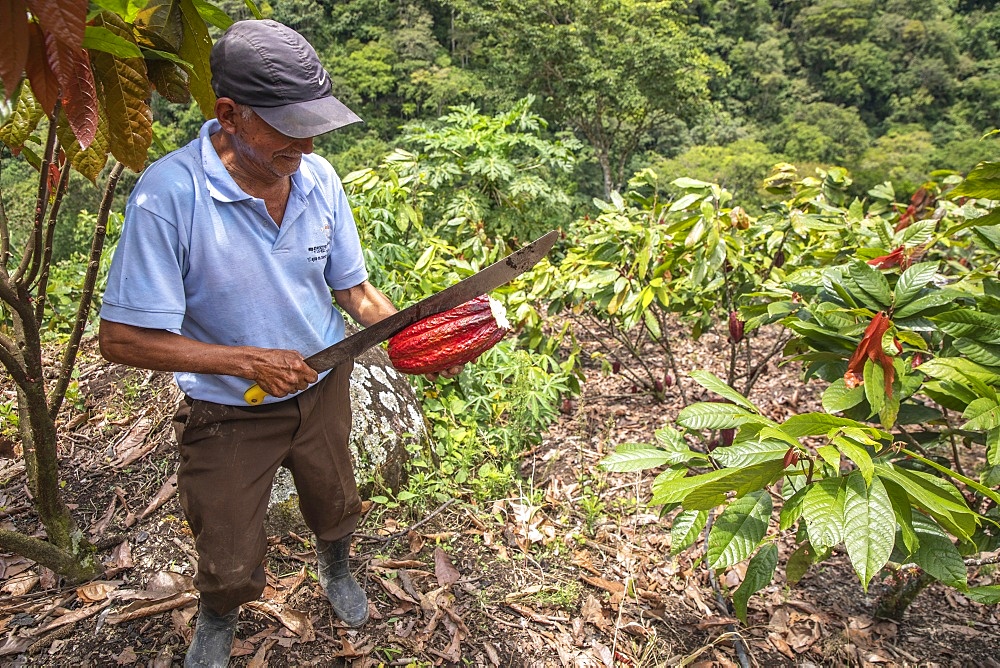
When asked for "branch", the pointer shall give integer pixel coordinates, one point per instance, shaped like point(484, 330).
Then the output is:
point(28, 269)
point(10, 360)
point(43, 281)
point(58, 392)
point(48, 555)
point(4, 237)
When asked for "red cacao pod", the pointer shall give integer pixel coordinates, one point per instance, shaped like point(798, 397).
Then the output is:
point(735, 327)
point(451, 338)
point(791, 457)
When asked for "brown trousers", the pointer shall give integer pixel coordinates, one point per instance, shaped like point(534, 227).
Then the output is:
point(228, 458)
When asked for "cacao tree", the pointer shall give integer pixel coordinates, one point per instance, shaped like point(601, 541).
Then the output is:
point(898, 319)
point(78, 78)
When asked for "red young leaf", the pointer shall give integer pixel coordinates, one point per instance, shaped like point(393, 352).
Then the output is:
point(870, 348)
point(43, 80)
point(64, 19)
point(896, 258)
point(76, 81)
point(14, 55)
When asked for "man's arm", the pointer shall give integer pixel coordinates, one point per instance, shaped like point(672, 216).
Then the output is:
point(278, 372)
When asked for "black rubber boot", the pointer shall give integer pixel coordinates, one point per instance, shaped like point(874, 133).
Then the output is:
point(213, 639)
point(346, 595)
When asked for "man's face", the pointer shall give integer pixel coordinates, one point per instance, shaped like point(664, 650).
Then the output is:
point(264, 152)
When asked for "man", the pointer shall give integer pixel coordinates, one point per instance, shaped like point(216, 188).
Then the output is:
point(223, 274)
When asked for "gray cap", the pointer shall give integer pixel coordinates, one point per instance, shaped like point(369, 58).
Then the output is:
point(275, 71)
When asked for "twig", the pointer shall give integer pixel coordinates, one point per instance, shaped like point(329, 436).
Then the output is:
point(402, 532)
point(741, 652)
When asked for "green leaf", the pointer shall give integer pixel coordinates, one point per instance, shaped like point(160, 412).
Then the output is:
point(625, 460)
point(791, 510)
point(937, 555)
point(759, 573)
point(814, 424)
point(872, 282)
point(969, 323)
point(710, 382)
point(738, 530)
point(903, 511)
point(838, 397)
point(858, 455)
point(982, 415)
point(982, 182)
point(710, 415)
point(987, 594)
point(927, 302)
point(100, 38)
point(674, 490)
point(874, 385)
point(685, 529)
point(195, 49)
point(937, 497)
point(823, 510)
point(741, 480)
point(987, 354)
point(985, 491)
point(869, 526)
point(672, 442)
point(799, 562)
point(912, 281)
point(750, 452)
point(993, 447)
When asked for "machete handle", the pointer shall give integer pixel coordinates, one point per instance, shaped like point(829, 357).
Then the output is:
point(255, 395)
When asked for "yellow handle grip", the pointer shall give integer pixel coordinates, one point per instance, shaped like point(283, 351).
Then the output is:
point(254, 396)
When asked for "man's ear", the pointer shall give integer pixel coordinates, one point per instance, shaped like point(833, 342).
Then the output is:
point(226, 112)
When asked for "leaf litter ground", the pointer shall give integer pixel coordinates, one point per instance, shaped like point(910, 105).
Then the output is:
point(570, 569)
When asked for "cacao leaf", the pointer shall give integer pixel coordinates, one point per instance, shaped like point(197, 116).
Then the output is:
point(799, 562)
point(838, 397)
point(814, 424)
point(985, 491)
point(872, 282)
point(159, 25)
point(91, 161)
point(686, 528)
point(169, 80)
point(987, 354)
point(672, 442)
point(823, 510)
point(742, 481)
point(44, 83)
point(993, 447)
point(710, 382)
point(929, 301)
point(23, 120)
point(830, 455)
point(791, 510)
point(982, 182)
point(857, 454)
point(869, 526)
point(710, 415)
point(983, 414)
point(14, 55)
point(125, 88)
point(760, 572)
point(685, 201)
point(64, 20)
point(904, 514)
point(935, 496)
point(989, 237)
point(99, 38)
point(912, 281)
point(76, 81)
point(674, 490)
point(626, 459)
point(987, 594)
point(195, 49)
point(750, 452)
point(962, 322)
point(937, 555)
point(960, 371)
point(738, 530)
point(213, 14)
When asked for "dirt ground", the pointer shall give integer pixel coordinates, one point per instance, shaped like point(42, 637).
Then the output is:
point(569, 569)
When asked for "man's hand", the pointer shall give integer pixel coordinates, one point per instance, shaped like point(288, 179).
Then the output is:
point(281, 372)
point(447, 373)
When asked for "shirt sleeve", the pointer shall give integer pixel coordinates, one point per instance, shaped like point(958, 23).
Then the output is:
point(145, 282)
point(345, 267)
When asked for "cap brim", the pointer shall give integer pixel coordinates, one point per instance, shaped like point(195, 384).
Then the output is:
point(308, 119)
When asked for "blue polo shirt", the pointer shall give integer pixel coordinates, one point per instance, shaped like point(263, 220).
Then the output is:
point(200, 257)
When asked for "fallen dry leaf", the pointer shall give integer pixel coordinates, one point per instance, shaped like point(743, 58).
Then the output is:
point(295, 621)
point(167, 490)
point(444, 570)
point(92, 592)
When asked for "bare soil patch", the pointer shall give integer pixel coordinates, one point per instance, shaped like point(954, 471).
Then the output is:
point(570, 569)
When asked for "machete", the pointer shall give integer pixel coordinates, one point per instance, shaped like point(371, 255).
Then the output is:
point(480, 283)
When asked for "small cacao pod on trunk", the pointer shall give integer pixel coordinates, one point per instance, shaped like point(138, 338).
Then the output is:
point(451, 338)
point(735, 327)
